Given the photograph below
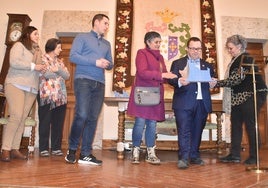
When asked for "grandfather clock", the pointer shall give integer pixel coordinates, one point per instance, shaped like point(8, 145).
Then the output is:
point(16, 23)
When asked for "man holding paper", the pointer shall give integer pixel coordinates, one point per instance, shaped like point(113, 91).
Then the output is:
point(191, 101)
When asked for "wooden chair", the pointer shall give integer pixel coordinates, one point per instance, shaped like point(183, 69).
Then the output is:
point(2, 113)
point(29, 122)
point(168, 128)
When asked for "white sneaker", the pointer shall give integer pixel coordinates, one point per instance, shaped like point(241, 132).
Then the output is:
point(44, 153)
point(136, 155)
point(57, 152)
point(151, 156)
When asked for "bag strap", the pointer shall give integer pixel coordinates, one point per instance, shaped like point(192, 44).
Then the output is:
point(160, 63)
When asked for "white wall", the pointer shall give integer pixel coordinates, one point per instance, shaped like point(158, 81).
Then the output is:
point(35, 9)
point(237, 8)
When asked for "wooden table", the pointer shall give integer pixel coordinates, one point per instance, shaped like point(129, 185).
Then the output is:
point(121, 103)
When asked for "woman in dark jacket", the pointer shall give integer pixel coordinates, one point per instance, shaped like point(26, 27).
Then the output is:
point(240, 85)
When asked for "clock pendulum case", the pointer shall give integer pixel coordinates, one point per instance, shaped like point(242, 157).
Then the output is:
point(16, 23)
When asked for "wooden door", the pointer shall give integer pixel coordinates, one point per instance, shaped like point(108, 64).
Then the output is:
point(66, 47)
point(257, 49)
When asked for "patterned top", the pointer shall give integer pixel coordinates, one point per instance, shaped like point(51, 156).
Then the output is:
point(240, 81)
point(52, 83)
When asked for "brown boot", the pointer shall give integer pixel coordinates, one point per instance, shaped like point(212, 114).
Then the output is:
point(16, 154)
point(5, 156)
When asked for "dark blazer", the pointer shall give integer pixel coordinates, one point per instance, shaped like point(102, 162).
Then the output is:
point(234, 80)
point(242, 88)
point(184, 97)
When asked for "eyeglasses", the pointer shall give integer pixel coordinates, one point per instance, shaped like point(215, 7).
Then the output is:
point(195, 49)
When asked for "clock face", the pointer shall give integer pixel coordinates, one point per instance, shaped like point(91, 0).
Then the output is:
point(15, 31)
point(15, 35)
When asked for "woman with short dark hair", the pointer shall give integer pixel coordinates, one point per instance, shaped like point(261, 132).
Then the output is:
point(52, 100)
point(150, 71)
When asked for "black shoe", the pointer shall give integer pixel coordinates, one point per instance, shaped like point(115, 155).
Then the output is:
point(70, 157)
point(230, 159)
point(197, 161)
point(91, 160)
point(250, 161)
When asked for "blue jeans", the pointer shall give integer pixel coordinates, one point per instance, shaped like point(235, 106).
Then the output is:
point(89, 95)
point(150, 131)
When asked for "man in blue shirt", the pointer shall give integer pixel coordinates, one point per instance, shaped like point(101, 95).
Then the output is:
point(92, 54)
